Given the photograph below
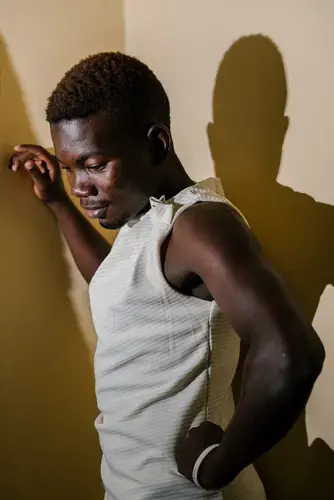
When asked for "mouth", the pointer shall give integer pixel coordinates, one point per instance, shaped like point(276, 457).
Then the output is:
point(96, 212)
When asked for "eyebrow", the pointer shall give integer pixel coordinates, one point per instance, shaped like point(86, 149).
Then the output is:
point(82, 158)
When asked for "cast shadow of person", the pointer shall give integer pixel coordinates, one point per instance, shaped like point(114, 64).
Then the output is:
point(296, 232)
point(48, 444)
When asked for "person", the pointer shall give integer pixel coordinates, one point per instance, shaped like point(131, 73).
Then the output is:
point(184, 273)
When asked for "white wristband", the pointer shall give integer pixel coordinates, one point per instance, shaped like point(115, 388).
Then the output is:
point(199, 461)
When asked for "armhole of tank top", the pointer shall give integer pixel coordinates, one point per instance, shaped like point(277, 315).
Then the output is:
point(102, 264)
point(168, 231)
point(166, 285)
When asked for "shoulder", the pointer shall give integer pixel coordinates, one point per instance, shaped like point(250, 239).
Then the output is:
point(212, 230)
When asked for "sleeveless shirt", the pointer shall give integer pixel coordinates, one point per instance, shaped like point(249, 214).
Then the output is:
point(164, 362)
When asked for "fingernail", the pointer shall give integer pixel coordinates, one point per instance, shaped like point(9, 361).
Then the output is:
point(18, 147)
point(40, 166)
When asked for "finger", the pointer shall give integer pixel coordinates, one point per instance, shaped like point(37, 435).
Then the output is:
point(202, 425)
point(34, 172)
point(191, 431)
point(40, 154)
point(209, 425)
point(18, 159)
point(29, 164)
point(212, 429)
point(34, 150)
point(42, 166)
point(12, 163)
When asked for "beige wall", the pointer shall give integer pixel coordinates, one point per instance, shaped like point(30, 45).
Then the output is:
point(49, 448)
point(243, 66)
point(213, 72)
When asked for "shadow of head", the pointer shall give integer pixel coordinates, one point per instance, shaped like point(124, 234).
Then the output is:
point(246, 139)
point(249, 123)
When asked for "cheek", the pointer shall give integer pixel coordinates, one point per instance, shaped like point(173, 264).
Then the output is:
point(107, 181)
point(121, 177)
point(116, 177)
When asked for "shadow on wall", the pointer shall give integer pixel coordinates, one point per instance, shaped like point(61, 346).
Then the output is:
point(296, 233)
point(49, 448)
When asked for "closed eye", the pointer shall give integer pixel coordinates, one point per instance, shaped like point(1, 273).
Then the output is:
point(99, 167)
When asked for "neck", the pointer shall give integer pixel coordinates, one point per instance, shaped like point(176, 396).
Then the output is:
point(175, 180)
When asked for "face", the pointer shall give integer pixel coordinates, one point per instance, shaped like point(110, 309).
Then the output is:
point(113, 174)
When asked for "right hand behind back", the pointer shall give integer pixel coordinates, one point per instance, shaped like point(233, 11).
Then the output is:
point(44, 170)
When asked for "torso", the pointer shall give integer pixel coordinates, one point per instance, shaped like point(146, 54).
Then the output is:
point(155, 375)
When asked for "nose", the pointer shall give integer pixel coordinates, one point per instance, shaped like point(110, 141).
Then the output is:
point(82, 186)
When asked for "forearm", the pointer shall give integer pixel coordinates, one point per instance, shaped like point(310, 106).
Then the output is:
point(87, 246)
point(272, 399)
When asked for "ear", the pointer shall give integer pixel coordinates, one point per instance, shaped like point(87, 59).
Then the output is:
point(160, 140)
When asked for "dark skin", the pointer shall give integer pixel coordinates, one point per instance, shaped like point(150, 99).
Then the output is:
point(211, 254)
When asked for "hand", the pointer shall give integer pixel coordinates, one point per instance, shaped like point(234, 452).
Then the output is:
point(43, 169)
point(198, 439)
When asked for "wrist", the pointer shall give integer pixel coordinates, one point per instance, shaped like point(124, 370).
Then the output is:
point(207, 470)
point(60, 200)
point(58, 204)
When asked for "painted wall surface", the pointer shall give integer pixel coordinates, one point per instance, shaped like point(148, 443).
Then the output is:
point(251, 88)
point(234, 70)
point(49, 447)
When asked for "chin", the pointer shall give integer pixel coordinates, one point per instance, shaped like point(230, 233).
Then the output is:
point(116, 224)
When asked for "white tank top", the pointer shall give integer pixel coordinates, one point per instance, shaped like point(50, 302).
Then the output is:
point(164, 362)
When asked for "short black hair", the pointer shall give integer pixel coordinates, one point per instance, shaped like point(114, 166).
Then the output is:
point(112, 82)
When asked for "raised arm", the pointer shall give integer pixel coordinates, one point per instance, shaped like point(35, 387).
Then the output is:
point(88, 247)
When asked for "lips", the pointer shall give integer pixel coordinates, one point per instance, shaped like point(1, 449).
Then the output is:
point(96, 212)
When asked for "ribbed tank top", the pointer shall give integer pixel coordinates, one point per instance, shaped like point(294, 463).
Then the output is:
point(164, 362)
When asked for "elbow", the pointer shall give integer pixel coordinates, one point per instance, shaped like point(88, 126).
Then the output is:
point(311, 359)
point(299, 372)
point(313, 362)
point(289, 370)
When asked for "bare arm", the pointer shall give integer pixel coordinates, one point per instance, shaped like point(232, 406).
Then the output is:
point(285, 355)
point(88, 247)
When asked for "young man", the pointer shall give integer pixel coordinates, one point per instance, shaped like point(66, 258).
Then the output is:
point(184, 273)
